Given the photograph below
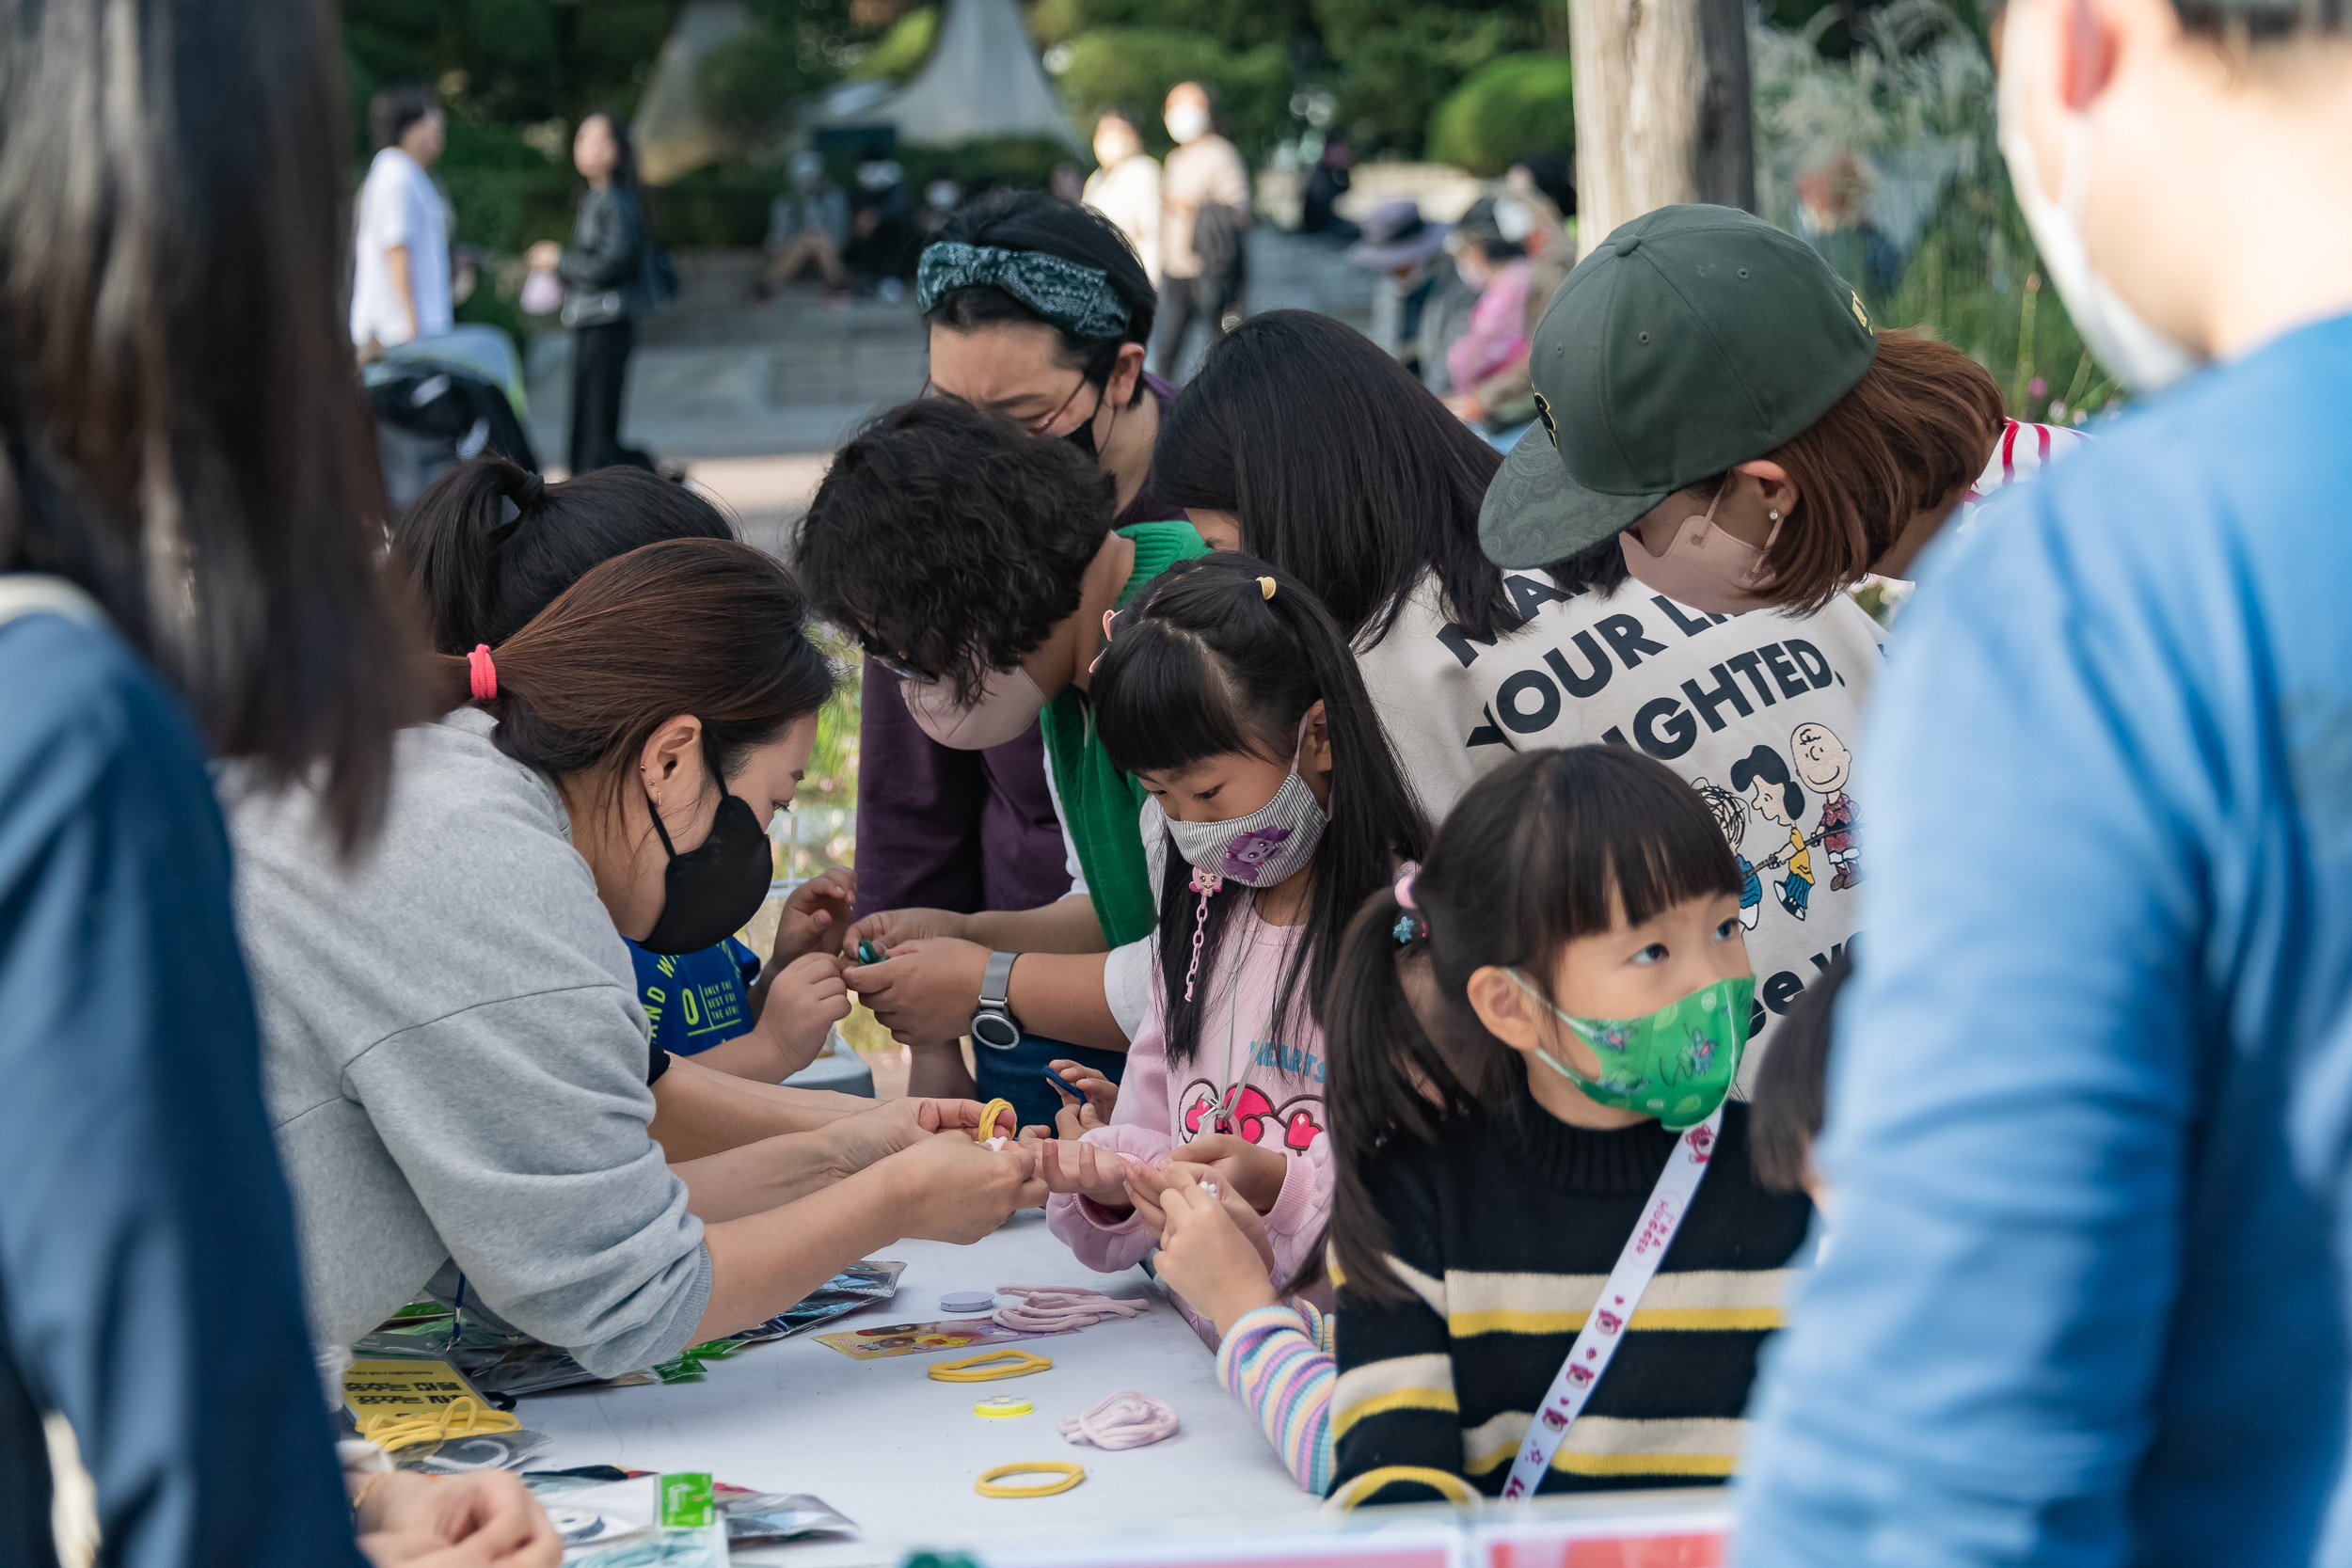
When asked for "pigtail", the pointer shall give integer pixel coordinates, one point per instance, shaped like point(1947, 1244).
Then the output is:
point(1384, 1080)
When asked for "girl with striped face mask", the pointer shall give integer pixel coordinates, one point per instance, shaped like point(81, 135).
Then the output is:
point(1274, 807)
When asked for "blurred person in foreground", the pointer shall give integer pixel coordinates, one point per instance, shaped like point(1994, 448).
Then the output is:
point(2091, 1120)
point(189, 514)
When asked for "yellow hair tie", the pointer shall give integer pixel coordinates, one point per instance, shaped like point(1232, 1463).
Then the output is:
point(1071, 1476)
point(969, 1368)
point(1265, 588)
point(466, 1417)
point(988, 1113)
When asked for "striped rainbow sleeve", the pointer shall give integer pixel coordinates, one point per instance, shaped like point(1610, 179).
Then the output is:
point(1278, 1361)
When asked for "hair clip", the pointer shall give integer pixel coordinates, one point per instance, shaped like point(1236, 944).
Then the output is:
point(1265, 588)
point(1409, 928)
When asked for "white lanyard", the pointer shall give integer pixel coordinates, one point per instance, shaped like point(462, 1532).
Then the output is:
point(1589, 1357)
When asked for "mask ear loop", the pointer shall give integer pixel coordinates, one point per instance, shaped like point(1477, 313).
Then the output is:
point(1543, 1054)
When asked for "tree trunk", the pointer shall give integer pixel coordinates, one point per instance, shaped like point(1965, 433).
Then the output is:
point(1662, 108)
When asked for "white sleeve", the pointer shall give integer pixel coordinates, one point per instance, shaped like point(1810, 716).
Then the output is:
point(1069, 845)
point(1127, 983)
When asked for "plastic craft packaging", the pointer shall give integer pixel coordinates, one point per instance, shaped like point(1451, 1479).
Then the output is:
point(757, 1518)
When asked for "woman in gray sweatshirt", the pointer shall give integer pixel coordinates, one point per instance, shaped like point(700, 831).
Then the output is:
point(456, 1061)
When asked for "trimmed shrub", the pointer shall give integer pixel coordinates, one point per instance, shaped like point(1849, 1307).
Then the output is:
point(1515, 105)
point(1136, 66)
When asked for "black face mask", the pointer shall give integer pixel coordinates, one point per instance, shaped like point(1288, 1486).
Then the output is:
point(708, 893)
point(1083, 438)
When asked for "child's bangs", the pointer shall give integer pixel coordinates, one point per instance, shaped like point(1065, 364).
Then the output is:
point(1623, 835)
point(1168, 702)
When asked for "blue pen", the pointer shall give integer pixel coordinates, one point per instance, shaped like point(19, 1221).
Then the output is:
point(1065, 1085)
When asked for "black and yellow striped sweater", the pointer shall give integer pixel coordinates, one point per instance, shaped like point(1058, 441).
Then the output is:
point(1503, 1236)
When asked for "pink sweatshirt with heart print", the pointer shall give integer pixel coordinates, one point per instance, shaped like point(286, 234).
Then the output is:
point(1249, 1076)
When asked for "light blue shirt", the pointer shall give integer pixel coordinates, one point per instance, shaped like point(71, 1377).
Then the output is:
point(2092, 1096)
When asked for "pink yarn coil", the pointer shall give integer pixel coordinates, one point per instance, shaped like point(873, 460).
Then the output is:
point(1050, 1308)
point(1125, 1420)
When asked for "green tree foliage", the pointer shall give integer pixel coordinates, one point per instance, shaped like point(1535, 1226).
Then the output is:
point(1136, 67)
point(902, 49)
point(1516, 105)
point(1237, 25)
point(1399, 58)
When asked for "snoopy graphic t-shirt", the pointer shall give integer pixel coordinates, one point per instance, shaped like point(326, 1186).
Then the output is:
point(1253, 1076)
point(1761, 713)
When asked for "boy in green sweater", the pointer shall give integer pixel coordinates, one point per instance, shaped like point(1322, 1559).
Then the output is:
point(978, 564)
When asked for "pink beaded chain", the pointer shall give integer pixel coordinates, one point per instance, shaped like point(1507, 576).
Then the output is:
point(1205, 883)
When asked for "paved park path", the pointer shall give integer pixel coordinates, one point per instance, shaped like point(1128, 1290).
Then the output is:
point(753, 399)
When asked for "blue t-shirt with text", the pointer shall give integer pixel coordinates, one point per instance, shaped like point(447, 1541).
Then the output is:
point(697, 999)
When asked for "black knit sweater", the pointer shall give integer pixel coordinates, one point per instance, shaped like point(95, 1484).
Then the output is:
point(1503, 1236)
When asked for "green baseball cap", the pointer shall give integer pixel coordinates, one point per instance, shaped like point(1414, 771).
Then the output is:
point(1689, 339)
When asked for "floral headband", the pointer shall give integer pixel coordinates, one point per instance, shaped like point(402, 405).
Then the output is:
point(1078, 299)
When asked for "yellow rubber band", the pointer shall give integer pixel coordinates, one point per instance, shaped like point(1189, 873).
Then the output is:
point(1071, 1476)
point(988, 1113)
point(969, 1368)
point(466, 1417)
point(999, 1409)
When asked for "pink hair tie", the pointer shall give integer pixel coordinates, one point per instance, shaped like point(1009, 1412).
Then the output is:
point(1407, 874)
point(486, 675)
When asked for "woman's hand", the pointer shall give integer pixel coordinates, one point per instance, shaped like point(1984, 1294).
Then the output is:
point(950, 1189)
point(874, 1135)
point(544, 256)
point(1241, 1166)
point(1085, 1169)
point(1205, 1254)
point(819, 910)
point(484, 1518)
point(925, 992)
point(887, 928)
point(1078, 1116)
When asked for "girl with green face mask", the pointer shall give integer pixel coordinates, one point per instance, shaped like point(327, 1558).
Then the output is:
point(1556, 1262)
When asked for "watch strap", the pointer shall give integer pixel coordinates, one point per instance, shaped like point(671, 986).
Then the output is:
point(996, 979)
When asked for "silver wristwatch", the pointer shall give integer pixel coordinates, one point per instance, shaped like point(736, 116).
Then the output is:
point(992, 1024)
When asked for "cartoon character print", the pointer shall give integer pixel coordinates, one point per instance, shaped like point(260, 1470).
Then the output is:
point(1778, 799)
point(1825, 765)
point(1245, 1111)
point(1731, 815)
point(1253, 850)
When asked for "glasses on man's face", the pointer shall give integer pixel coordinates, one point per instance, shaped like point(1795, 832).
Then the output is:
point(1034, 427)
point(890, 664)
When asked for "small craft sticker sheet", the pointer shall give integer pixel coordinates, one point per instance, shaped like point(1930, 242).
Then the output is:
point(879, 1343)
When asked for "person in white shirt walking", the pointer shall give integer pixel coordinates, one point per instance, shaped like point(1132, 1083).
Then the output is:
point(1126, 188)
point(399, 285)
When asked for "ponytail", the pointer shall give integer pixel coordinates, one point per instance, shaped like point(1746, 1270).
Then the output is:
point(490, 544)
point(707, 627)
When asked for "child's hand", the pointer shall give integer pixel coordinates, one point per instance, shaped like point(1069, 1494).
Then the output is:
point(814, 916)
point(1239, 1166)
point(1083, 1169)
point(802, 1005)
point(1204, 1254)
point(1078, 1116)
